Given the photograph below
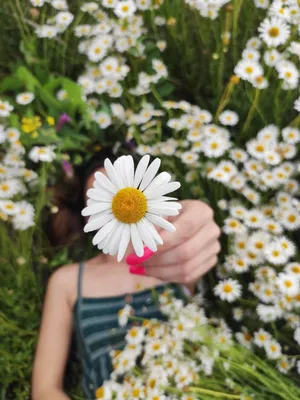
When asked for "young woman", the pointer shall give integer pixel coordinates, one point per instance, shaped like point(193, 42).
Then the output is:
point(87, 297)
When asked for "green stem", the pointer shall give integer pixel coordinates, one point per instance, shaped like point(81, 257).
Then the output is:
point(251, 111)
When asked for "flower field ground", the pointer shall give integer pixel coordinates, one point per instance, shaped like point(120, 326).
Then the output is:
point(211, 87)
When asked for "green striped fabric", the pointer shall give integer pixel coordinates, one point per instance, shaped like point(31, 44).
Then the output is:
point(98, 332)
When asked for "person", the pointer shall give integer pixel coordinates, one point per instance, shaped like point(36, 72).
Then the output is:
point(87, 298)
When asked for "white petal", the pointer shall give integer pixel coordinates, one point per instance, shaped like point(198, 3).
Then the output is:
point(156, 236)
point(169, 187)
point(162, 179)
point(95, 208)
point(150, 174)
point(146, 236)
point(99, 195)
point(123, 170)
point(159, 221)
point(167, 211)
point(104, 231)
point(129, 170)
point(165, 204)
point(161, 199)
point(136, 240)
point(112, 173)
point(125, 239)
point(105, 244)
point(140, 170)
point(97, 223)
point(115, 240)
point(105, 182)
point(118, 168)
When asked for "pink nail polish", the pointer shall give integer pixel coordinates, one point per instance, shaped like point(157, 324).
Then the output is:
point(137, 269)
point(133, 259)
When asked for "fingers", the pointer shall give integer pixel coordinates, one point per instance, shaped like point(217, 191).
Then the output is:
point(187, 272)
point(197, 244)
point(192, 218)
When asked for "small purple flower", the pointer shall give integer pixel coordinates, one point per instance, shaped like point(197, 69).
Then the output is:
point(68, 169)
point(63, 119)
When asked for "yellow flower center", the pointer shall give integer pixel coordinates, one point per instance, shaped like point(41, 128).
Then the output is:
point(227, 288)
point(274, 32)
point(288, 284)
point(291, 218)
point(129, 205)
point(100, 393)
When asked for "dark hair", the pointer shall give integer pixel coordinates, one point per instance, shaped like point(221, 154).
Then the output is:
point(65, 227)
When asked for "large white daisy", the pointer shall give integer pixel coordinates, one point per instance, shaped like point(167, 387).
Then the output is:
point(126, 204)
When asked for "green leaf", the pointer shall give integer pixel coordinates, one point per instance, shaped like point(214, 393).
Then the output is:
point(165, 89)
point(28, 79)
point(10, 83)
point(74, 91)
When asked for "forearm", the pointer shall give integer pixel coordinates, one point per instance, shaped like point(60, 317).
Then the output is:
point(51, 394)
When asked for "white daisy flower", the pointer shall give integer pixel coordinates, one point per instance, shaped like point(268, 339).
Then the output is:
point(46, 31)
point(96, 51)
point(59, 4)
point(102, 119)
point(109, 3)
point(5, 108)
point(124, 314)
point(275, 254)
point(268, 313)
point(296, 105)
point(285, 365)
point(288, 284)
point(12, 134)
point(229, 118)
point(64, 19)
point(273, 350)
point(248, 70)
point(261, 338)
point(297, 335)
point(126, 205)
point(38, 3)
point(125, 9)
point(293, 268)
point(9, 188)
point(271, 157)
point(291, 135)
point(264, 4)
point(45, 154)
point(189, 157)
point(228, 290)
point(274, 31)
point(24, 98)
point(8, 208)
point(290, 219)
point(272, 57)
point(254, 43)
point(24, 218)
point(215, 147)
point(254, 218)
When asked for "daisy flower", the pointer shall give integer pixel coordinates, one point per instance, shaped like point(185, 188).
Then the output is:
point(254, 43)
point(5, 108)
point(288, 284)
point(290, 219)
point(126, 204)
point(45, 154)
point(272, 57)
point(102, 119)
point(275, 254)
point(64, 19)
point(24, 98)
point(228, 290)
point(261, 338)
point(125, 9)
point(273, 350)
point(228, 118)
point(12, 134)
point(297, 335)
point(189, 157)
point(274, 31)
point(296, 105)
point(291, 135)
point(247, 69)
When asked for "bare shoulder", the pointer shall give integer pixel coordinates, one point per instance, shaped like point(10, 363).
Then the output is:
point(63, 283)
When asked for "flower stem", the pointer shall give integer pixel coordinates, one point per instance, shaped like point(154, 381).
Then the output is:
point(251, 111)
point(213, 393)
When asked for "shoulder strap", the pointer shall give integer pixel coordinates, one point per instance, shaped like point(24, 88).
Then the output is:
point(79, 280)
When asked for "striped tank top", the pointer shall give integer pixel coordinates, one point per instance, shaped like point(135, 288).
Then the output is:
point(98, 332)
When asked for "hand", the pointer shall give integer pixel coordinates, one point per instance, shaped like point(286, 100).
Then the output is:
point(192, 250)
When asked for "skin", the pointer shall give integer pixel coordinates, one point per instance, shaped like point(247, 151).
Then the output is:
point(184, 257)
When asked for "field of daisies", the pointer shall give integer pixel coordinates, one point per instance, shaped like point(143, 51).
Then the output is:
point(212, 88)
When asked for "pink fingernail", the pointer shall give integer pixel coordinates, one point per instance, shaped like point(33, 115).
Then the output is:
point(137, 269)
point(133, 259)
